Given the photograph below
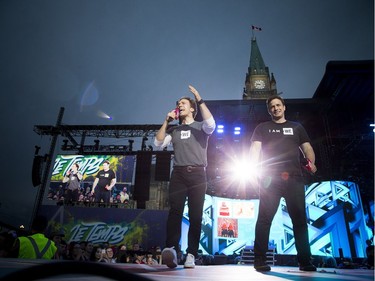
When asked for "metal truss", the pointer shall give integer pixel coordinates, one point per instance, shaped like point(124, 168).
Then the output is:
point(99, 131)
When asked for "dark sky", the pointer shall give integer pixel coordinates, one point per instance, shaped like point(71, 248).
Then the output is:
point(132, 60)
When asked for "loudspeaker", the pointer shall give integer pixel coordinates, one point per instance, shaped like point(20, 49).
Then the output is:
point(36, 175)
point(163, 166)
point(142, 176)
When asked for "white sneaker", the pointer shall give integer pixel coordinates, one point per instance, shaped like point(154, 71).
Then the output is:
point(169, 257)
point(190, 261)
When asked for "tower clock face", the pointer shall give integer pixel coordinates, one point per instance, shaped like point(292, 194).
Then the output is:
point(259, 84)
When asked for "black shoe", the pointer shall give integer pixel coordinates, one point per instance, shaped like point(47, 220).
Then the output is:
point(307, 267)
point(260, 264)
point(262, 267)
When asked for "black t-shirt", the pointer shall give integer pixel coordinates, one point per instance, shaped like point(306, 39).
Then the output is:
point(105, 178)
point(280, 146)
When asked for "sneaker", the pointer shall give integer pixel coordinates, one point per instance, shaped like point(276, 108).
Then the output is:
point(307, 267)
point(260, 264)
point(190, 261)
point(169, 257)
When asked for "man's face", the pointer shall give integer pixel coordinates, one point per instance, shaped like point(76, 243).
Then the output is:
point(105, 166)
point(185, 108)
point(276, 109)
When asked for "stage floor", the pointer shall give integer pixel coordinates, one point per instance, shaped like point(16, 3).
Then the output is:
point(50, 270)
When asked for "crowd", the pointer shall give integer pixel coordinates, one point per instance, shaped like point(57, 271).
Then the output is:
point(83, 251)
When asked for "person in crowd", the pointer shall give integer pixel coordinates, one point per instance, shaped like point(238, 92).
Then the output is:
point(110, 255)
point(275, 147)
point(188, 179)
point(63, 250)
point(77, 253)
point(36, 245)
point(98, 254)
point(104, 181)
point(122, 255)
point(149, 259)
point(73, 178)
point(89, 246)
point(139, 257)
point(57, 237)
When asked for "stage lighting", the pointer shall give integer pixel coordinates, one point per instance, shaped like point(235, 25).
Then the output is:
point(243, 170)
point(220, 129)
point(237, 130)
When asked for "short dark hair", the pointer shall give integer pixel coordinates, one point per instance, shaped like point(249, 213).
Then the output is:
point(192, 102)
point(106, 162)
point(271, 98)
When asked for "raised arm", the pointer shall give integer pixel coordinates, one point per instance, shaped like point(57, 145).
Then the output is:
point(205, 112)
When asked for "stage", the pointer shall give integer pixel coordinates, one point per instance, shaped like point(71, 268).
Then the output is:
point(66, 270)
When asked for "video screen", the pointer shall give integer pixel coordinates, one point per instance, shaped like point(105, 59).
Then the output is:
point(89, 166)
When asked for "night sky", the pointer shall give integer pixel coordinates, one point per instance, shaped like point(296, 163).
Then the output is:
point(131, 60)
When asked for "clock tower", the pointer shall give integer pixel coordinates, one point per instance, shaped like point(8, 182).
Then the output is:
point(259, 84)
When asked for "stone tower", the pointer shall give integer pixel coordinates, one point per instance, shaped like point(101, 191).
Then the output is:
point(259, 84)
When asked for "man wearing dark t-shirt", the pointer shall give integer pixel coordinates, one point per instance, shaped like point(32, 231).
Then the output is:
point(276, 146)
point(104, 181)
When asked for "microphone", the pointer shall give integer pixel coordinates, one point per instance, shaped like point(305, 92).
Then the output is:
point(177, 115)
point(177, 112)
point(307, 166)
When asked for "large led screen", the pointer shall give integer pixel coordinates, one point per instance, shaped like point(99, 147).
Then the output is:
point(89, 166)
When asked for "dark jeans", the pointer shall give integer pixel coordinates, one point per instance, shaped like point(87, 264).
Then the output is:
point(71, 196)
point(293, 191)
point(105, 195)
point(190, 185)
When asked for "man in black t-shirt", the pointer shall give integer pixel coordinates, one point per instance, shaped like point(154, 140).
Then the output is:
point(104, 181)
point(276, 146)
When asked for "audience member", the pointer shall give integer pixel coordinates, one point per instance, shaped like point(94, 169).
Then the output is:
point(36, 245)
point(110, 255)
point(122, 255)
point(88, 250)
point(97, 254)
point(77, 254)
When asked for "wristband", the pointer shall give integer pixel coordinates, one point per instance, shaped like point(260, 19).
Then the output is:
point(200, 102)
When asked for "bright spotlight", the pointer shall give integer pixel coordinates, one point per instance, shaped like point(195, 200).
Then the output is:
point(220, 129)
point(243, 170)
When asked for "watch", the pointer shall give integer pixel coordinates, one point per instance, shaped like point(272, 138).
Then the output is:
point(259, 84)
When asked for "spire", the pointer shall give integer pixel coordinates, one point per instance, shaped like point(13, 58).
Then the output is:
point(256, 65)
point(259, 84)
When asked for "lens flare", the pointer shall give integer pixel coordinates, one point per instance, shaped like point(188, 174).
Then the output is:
point(104, 115)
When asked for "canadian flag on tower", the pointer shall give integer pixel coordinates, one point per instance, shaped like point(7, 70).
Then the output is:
point(253, 27)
